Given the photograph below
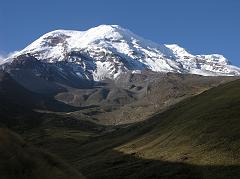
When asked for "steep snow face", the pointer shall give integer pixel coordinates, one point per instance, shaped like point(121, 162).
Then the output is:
point(179, 51)
point(207, 65)
point(107, 51)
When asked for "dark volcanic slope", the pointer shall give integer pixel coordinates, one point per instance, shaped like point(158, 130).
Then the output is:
point(17, 103)
point(18, 109)
point(14, 92)
point(196, 138)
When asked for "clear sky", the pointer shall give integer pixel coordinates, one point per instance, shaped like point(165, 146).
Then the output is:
point(200, 26)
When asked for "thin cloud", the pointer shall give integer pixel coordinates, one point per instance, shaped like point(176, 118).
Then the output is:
point(3, 56)
point(12, 53)
point(2, 59)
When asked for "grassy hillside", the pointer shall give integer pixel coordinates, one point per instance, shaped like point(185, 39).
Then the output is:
point(21, 160)
point(197, 138)
point(209, 121)
point(203, 130)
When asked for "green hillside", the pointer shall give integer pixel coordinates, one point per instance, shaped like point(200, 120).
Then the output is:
point(197, 138)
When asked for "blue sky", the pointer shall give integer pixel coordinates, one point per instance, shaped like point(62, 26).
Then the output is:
point(201, 26)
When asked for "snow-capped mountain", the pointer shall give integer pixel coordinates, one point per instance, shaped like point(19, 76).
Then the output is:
point(107, 51)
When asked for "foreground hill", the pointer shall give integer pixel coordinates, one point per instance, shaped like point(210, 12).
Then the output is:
point(196, 138)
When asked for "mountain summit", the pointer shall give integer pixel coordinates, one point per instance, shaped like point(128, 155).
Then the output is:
point(107, 51)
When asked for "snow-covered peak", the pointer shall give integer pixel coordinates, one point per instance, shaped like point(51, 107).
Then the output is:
point(80, 39)
point(106, 51)
point(106, 32)
point(54, 45)
point(179, 51)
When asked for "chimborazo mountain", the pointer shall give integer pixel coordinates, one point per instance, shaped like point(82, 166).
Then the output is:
point(106, 103)
point(107, 51)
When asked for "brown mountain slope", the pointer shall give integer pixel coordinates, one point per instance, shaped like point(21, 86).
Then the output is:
point(135, 97)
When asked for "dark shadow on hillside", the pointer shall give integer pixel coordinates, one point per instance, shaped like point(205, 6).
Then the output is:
point(116, 165)
point(20, 160)
point(97, 159)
